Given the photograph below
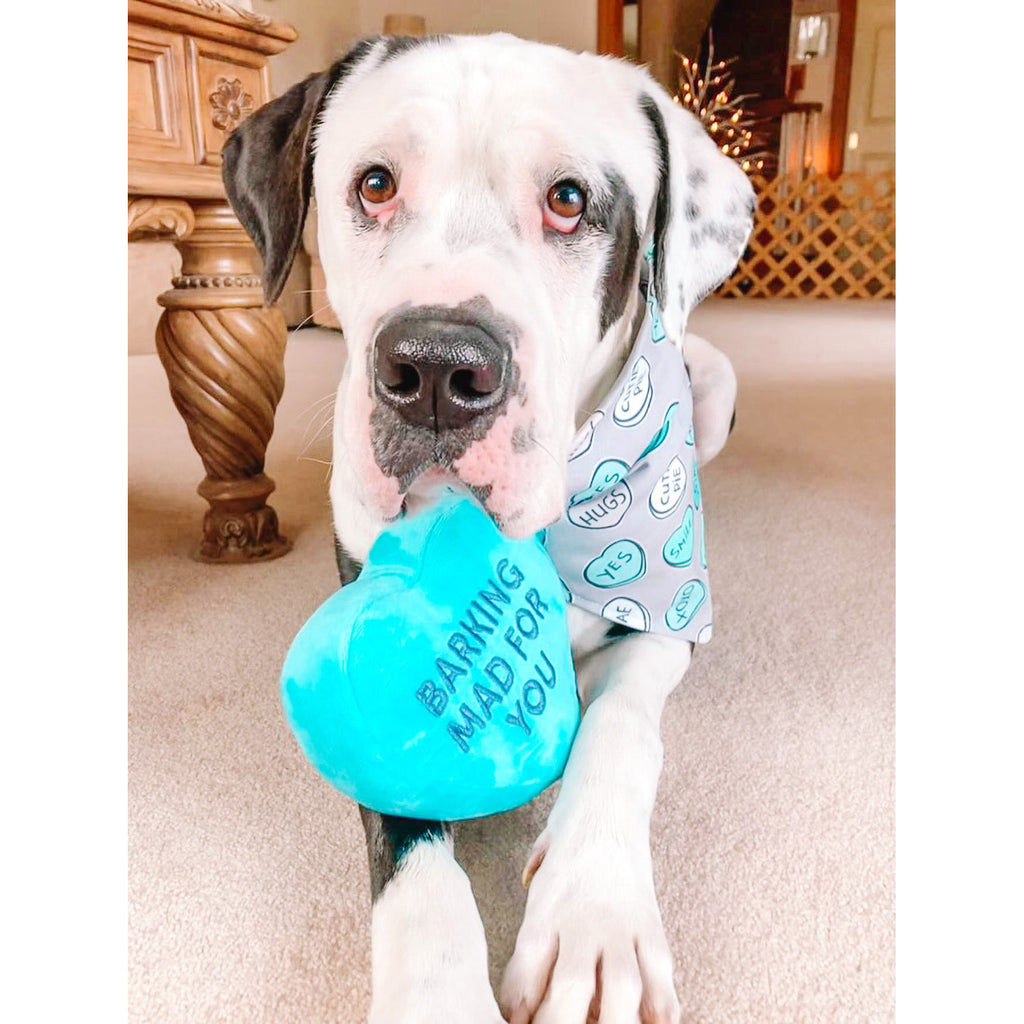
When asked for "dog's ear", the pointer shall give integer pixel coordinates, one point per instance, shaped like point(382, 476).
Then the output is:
point(268, 167)
point(703, 211)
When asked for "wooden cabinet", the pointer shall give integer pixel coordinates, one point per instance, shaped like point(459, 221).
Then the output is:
point(196, 69)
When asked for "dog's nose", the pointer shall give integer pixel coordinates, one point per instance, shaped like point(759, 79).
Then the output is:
point(439, 374)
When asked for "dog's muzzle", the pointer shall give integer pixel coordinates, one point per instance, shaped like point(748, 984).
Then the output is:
point(439, 374)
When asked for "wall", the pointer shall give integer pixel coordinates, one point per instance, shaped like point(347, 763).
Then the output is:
point(668, 27)
point(327, 29)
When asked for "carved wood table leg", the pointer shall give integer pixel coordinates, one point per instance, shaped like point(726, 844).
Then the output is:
point(223, 352)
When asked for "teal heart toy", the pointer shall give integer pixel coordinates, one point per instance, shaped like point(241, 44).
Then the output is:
point(440, 683)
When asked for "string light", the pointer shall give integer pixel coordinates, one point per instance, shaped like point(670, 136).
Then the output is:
point(708, 94)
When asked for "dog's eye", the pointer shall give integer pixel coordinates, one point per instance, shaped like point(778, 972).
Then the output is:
point(377, 186)
point(564, 206)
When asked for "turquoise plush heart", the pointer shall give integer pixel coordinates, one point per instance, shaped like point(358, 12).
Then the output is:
point(440, 683)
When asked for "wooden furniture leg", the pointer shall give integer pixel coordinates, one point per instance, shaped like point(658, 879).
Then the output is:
point(223, 352)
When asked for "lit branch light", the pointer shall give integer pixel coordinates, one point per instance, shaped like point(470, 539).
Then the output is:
point(708, 93)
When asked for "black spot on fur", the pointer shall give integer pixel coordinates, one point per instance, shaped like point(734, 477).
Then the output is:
point(395, 46)
point(696, 177)
point(348, 567)
point(730, 235)
point(692, 210)
point(521, 440)
point(614, 213)
point(616, 631)
point(389, 839)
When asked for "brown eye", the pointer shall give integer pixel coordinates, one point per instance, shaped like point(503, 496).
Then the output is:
point(566, 200)
point(377, 186)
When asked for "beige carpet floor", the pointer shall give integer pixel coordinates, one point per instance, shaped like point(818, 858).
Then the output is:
point(773, 832)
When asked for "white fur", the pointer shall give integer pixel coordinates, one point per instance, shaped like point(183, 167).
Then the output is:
point(429, 952)
point(591, 898)
point(713, 381)
point(476, 230)
point(477, 127)
point(480, 127)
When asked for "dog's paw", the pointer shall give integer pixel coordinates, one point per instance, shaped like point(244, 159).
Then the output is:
point(429, 949)
point(448, 1000)
point(591, 949)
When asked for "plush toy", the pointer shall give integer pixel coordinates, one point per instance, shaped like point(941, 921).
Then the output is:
point(440, 683)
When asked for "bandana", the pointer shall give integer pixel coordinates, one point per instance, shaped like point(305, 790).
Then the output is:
point(631, 545)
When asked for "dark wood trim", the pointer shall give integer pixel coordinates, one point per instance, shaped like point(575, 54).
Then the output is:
point(609, 27)
point(841, 87)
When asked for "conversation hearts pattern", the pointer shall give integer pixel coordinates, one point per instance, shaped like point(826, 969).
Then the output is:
point(631, 543)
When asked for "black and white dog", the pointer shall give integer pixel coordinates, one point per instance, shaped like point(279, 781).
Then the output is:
point(484, 204)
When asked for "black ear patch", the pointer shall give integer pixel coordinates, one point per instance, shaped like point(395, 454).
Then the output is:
point(663, 200)
point(395, 46)
point(268, 168)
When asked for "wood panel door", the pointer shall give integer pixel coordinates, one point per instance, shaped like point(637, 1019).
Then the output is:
point(873, 89)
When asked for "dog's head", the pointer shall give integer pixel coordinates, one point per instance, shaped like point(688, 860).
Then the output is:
point(484, 204)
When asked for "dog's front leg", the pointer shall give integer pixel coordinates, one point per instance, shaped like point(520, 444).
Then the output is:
point(428, 950)
point(429, 954)
point(591, 946)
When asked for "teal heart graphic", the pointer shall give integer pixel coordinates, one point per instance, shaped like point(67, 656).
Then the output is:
point(657, 329)
point(607, 474)
point(669, 489)
point(689, 597)
point(659, 438)
point(636, 394)
point(585, 438)
point(440, 683)
point(620, 563)
point(603, 510)
point(627, 612)
point(678, 549)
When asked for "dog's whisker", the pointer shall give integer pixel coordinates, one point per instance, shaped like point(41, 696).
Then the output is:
point(314, 412)
point(319, 309)
point(547, 451)
point(317, 404)
point(318, 433)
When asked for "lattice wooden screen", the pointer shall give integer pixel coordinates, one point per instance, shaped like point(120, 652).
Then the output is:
point(821, 237)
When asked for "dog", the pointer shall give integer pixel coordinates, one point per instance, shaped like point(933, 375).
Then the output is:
point(485, 206)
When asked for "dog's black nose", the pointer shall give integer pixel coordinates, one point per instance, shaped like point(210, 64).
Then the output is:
point(440, 374)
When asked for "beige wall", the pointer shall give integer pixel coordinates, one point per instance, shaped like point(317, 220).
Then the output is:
point(328, 28)
point(668, 27)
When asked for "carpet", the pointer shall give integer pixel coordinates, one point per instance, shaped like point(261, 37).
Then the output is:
point(772, 837)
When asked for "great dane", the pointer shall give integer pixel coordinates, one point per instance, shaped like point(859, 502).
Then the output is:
point(485, 205)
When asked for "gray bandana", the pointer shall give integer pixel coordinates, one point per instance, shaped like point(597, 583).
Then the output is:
point(631, 546)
